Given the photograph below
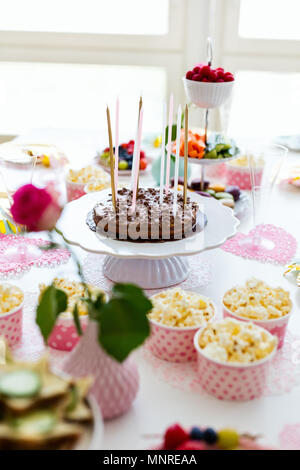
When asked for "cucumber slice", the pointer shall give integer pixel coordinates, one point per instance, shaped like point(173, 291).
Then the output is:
point(211, 154)
point(74, 399)
point(35, 423)
point(20, 384)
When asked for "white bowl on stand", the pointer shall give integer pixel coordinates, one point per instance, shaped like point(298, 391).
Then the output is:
point(207, 95)
point(150, 265)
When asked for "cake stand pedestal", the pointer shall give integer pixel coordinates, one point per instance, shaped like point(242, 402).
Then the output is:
point(147, 273)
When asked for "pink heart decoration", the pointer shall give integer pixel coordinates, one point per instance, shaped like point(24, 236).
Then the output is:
point(283, 250)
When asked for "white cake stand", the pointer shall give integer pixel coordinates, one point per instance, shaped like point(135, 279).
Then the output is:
point(150, 265)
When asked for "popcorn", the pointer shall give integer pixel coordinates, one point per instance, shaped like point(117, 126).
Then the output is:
point(87, 175)
point(233, 341)
point(96, 185)
point(243, 161)
point(179, 308)
point(10, 297)
point(258, 301)
point(75, 291)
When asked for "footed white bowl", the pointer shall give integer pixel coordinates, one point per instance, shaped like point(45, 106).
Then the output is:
point(207, 95)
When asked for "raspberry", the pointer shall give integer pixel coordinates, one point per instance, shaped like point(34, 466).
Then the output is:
point(220, 80)
point(174, 436)
point(228, 77)
point(191, 445)
point(197, 77)
point(220, 69)
point(196, 69)
point(205, 79)
point(220, 73)
point(205, 71)
point(143, 164)
point(212, 76)
point(189, 75)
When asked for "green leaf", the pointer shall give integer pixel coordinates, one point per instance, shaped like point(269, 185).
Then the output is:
point(76, 320)
point(123, 321)
point(53, 302)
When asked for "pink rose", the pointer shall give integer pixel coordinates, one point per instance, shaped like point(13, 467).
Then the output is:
point(35, 208)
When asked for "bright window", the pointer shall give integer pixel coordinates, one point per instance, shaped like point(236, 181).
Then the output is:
point(74, 96)
point(86, 16)
point(265, 104)
point(270, 19)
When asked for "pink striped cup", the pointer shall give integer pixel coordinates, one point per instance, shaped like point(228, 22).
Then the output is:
point(234, 382)
point(241, 176)
point(74, 190)
point(11, 325)
point(64, 335)
point(172, 343)
point(275, 326)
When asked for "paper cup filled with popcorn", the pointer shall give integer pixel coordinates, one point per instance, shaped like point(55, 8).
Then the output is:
point(233, 359)
point(11, 313)
point(238, 172)
point(175, 317)
point(64, 335)
point(76, 180)
point(261, 304)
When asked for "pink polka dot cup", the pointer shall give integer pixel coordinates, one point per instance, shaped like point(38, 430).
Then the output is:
point(276, 326)
point(235, 382)
point(74, 190)
point(172, 343)
point(11, 325)
point(241, 176)
point(64, 335)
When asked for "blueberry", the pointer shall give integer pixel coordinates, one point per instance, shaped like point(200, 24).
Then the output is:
point(196, 434)
point(210, 436)
point(129, 165)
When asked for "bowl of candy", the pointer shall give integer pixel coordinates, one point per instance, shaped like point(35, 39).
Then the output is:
point(207, 87)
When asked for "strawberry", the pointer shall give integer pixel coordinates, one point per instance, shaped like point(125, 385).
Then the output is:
point(175, 435)
point(191, 445)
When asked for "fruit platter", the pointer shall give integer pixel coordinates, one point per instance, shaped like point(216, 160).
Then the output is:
point(217, 149)
point(126, 151)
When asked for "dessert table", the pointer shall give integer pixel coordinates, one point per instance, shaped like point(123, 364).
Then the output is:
point(160, 402)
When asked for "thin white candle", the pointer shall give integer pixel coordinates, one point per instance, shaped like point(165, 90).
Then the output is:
point(117, 147)
point(178, 134)
point(169, 142)
point(163, 152)
point(137, 162)
point(134, 157)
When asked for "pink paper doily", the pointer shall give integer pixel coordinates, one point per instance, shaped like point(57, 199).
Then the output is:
point(284, 371)
point(200, 274)
point(32, 346)
point(284, 248)
point(289, 437)
point(17, 267)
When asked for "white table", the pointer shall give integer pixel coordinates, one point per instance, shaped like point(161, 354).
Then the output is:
point(158, 404)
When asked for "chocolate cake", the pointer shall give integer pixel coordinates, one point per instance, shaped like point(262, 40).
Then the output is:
point(151, 221)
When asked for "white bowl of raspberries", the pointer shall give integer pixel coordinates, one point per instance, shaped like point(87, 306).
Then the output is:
point(207, 87)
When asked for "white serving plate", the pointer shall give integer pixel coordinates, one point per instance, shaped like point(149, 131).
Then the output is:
point(222, 224)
